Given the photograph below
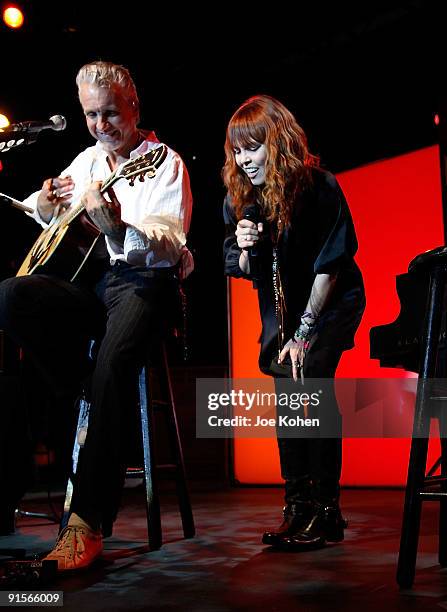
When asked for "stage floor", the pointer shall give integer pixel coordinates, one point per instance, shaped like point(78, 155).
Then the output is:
point(225, 567)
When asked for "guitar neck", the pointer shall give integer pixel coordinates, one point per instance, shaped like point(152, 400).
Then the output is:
point(47, 246)
point(139, 166)
point(75, 210)
point(72, 212)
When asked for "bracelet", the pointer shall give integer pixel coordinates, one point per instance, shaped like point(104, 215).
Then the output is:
point(309, 315)
point(309, 325)
point(303, 334)
point(298, 336)
point(306, 328)
point(305, 319)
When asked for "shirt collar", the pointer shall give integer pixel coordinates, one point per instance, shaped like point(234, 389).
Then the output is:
point(149, 142)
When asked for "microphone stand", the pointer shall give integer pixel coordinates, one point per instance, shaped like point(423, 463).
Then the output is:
point(16, 203)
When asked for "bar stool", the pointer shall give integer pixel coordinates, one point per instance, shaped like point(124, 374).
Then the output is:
point(155, 395)
point(421, 487)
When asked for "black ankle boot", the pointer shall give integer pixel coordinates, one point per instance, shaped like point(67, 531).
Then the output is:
point(294, 517)
point(325, 524)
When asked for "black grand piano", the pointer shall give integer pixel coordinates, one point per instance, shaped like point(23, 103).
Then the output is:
point(398, 344)
point(416, 341)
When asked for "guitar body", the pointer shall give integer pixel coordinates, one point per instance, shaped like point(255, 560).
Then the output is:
point(63, 248)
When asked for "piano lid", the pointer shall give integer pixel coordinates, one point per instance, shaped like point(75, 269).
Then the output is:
point(429, 259)
point(396, 344)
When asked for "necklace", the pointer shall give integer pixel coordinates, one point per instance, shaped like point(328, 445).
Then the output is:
point(280, 304)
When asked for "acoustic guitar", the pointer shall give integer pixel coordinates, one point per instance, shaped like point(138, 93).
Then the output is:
point(64, 247)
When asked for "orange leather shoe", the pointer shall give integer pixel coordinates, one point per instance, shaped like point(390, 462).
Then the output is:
point(76, 548)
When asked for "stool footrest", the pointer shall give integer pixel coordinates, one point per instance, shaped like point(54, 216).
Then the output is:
point(159, 404)
point(135, 473)
point(139, 472)
point(433, 495)
point(431, 481)
point(167, 466)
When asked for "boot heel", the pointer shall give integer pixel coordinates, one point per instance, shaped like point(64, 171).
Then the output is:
point(335, 535)
point(335, 528)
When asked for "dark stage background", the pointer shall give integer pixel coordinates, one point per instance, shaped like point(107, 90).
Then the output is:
point(364, 82)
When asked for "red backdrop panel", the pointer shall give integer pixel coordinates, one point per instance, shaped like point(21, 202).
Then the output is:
point(397, 209)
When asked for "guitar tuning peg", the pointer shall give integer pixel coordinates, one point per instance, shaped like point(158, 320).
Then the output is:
point(132, 181)
point(141, 177)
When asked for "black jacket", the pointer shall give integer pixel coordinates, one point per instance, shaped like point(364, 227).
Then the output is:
point(320, 239)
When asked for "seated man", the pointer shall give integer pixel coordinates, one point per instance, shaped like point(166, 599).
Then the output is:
point(124, 301)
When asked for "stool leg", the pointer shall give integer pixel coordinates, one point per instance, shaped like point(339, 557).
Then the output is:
point(152, 499)
point(442, 546)
point(81, 430)
point(412, 513)
point(421, 430)
point(175, 443)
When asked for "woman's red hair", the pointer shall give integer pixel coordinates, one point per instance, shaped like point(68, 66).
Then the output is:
point(264, 120)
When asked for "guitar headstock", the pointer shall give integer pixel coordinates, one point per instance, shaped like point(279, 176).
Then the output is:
point(143, 166)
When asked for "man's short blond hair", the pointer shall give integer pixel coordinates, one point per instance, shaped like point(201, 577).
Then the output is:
point(107, 74)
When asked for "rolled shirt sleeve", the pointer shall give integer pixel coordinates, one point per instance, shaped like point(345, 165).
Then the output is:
point(79, 170)
point(157, 211)
point(158, 238)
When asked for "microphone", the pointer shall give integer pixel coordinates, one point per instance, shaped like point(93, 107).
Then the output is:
point(252, 213)
point(56, 122)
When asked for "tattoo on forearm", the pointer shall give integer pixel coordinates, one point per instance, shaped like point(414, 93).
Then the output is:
point(110, 224)
point(320, 294)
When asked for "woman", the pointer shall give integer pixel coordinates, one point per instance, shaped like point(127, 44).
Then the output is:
point(290, 231)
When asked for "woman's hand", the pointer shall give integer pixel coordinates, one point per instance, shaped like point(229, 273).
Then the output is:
point(247, 233)
point(296, 347)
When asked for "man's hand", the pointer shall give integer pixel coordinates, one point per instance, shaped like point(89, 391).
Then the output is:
point(55, 193)
point(104, 214)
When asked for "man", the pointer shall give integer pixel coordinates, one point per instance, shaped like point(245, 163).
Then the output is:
point(124, 303)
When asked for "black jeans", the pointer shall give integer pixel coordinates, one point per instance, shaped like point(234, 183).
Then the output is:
point(54, 321)
point(311, 467)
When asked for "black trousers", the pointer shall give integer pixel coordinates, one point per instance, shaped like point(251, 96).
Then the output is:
point(311, 467)
point(54, 321)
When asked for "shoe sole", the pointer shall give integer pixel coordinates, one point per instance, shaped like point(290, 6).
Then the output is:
point(335, 537)
point(272, 541)
point(301, 546)
point(338, 535)
point(74, 570)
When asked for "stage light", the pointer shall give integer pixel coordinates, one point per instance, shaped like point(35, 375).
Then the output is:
point(13, 17)
point(4, 121)
point(436, 119)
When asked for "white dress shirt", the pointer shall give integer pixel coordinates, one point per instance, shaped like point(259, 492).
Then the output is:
point(157, 211)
